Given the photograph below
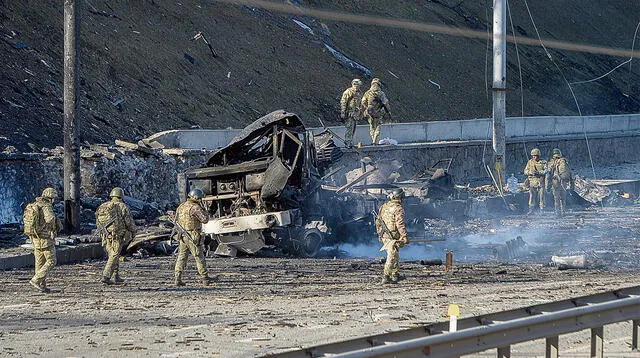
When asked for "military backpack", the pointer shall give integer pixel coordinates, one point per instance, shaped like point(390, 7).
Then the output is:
point(32, 218)
point(106, 215)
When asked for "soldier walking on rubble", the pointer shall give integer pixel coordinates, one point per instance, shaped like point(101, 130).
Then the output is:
point(392, 233)
point(559, 180)
point(190, 216)
point(373, 101)
point(41, 226)
point(350, 110)
point(536, 173)
point(115, 226)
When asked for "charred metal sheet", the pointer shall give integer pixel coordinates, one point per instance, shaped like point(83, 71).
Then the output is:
point(254, 132)
point(276, 178)
point(248, 242)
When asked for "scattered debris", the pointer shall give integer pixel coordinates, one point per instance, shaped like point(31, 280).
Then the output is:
point(199, 36)
point(568, 262)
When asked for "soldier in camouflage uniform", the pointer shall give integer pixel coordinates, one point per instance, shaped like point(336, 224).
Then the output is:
point(373, 103)
point(392, 233)
point(116, 226)
point(190, 216)
point(536, 170)
point(559, 180)
point(43, 239)
point(350, 111)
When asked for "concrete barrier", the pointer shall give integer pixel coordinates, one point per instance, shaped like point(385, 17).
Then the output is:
point(64, 255)
point(436, 131)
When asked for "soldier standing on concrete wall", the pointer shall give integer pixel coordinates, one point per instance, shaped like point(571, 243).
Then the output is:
point(190, 216)
point(536, 173)
point(115, 226)
point(41, 226)
point(350, 110)
point(559, 180)
point(392, 233)
point(373, 103)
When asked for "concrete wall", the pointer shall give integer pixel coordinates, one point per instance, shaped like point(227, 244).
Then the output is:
point(150, 178)
point(422, 132)
point(22, 178)
point(469, 167)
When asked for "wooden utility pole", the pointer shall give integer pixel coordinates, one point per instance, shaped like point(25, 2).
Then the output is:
point(499, 87)
point(71, 118)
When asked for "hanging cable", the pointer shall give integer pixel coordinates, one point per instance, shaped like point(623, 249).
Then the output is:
point(515, 41)
point(575, 99)
point(633, 44)
point(486, 55)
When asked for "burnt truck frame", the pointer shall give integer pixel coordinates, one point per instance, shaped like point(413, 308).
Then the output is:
point(265, 188)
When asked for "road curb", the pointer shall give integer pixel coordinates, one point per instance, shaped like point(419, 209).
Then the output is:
point(64, 254)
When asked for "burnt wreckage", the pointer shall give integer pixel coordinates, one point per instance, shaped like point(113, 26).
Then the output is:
point(265, 188)
point(268, 187)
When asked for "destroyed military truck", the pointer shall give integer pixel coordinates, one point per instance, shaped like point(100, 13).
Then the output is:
point(264, 188)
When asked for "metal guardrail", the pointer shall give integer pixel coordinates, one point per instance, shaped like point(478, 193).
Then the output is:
point(497, 330)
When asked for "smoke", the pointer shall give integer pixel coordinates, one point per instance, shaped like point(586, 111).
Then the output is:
point(603, 236)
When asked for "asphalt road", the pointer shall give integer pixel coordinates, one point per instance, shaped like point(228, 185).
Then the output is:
point(262, 305)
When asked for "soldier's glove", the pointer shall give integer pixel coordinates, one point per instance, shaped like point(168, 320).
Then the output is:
point(400, 243)
point(342, 116)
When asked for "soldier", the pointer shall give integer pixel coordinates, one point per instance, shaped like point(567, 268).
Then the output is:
point(559, 179)
point(535, 171)
point(116, 226)
point(41, 226)
point(373, 101)
point(392, 233)
point(190, 216)
point(350, 110)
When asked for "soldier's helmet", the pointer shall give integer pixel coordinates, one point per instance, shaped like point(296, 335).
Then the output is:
point(356, 82)
point(50, 193)
point(535, 151)
point(397, 193)
point(196, 194)
point(116, 193)
point(375, 81)
point(556, 152)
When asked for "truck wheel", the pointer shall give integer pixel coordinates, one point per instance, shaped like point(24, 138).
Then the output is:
point(310, 242)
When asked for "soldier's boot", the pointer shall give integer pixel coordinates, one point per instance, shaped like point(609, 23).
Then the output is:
point(43, 285)
point(206, 280)
point(395, 279)
point(178, 281)
point(106, 280)
point(36, 283)
point(385, 280)
point(118, 279)
point(530, 210)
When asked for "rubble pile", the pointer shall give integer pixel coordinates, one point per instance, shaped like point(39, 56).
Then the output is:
point(147, 173)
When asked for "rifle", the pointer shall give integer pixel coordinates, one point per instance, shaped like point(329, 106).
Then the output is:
point(180, 230)
point(386, 230)
point(103, 230)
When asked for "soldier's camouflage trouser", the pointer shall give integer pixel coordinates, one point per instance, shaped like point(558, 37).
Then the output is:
point(45, 260)
point(559, 196)
point(196, 248)
point(393, 259)
point(113, 248)
point(536, 196)
point(374, 126)
point(350, 129)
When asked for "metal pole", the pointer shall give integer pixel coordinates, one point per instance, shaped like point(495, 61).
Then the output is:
point(635, 338)
point(71, 121)
point(551, 350)
point(499, 86)
point(597, 342)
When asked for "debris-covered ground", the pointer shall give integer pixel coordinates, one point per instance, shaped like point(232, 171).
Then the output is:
point(261, 305)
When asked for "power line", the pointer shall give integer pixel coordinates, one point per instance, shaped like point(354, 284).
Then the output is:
point(420, 26)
